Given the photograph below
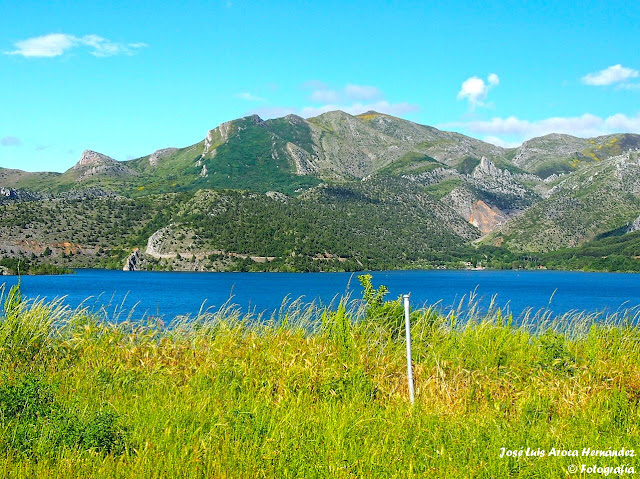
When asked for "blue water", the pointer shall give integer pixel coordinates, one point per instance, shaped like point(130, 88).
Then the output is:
point(169, 294)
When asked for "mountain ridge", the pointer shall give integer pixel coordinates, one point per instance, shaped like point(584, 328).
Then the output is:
point(447, 147)
point(463, 194)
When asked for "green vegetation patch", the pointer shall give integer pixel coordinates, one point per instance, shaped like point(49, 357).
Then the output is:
point(30, 265)
point(311, 229)
point(613, 253)
point(254, 159)
point(442, 188)
point(294, 130)
point(467, 165)
point(567, 165)
point(412, 162)
point(35, 424)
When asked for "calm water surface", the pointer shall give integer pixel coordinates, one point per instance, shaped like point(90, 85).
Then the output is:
point(169, 294)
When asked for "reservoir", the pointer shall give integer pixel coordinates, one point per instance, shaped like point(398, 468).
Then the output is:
point(121, 295)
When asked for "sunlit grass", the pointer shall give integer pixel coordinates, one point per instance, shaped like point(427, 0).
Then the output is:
point(312, 391)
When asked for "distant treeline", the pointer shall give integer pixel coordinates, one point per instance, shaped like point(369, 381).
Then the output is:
point(25, 266)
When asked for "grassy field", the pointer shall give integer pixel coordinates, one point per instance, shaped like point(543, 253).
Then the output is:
point(314, 392)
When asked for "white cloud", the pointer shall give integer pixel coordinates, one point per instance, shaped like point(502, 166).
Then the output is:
point(51, 45)
point(249, 97)
point(608, 76)
point(622, 123)
point(352, 98)
point(586, 125)
point(57, 44)
point(322, 93)
point(476, 90)
point(494, 140)
point(106, 48)
point(362, 92)
point(324, 96)
point(10, 141)
point(314, 85)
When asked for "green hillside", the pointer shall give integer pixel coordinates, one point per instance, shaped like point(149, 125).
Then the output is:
point(615, 253)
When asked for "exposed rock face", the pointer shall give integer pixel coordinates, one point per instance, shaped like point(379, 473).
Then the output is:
point(486, 218)
point(487, 168)
point(156, 243)
point(93, 164)
point(295, 119)
point(461, 200)
point(9, 194)
point(628, 172)
point(358, 146)
point(486, 198)
point(303, 161)
point(349, 146)
point(92, 158)
point(159, 154)
point(220, 133)
point(203, 172)
point(483, 216)
point(551, 178)
point(635, 226)
point(276, 195)
point(132, 262)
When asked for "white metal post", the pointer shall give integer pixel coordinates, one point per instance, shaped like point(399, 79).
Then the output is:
point(407, 328)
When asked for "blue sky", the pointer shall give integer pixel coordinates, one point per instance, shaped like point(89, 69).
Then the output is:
point(127, 78)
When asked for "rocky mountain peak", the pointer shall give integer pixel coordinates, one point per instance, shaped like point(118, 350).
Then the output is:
point(222, 132)
point(93, 158)
point(254, 118)
point(294, 119)
point(486, 168)
point(555, 137)
point(370, 114)
point(93, 164)
point(159, 154)
point(334, 115)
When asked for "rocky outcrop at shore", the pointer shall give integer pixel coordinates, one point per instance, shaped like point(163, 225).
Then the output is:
point(132, 262)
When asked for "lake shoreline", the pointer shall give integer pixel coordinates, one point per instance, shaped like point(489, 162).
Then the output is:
point(171, 294)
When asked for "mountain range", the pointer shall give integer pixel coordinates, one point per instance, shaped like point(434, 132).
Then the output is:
point(331, 192)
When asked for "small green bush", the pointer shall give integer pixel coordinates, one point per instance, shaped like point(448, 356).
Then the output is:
point(34, 423)
point(554, 353)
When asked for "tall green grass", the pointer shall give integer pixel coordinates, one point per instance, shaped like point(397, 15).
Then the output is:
point(313, 391)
